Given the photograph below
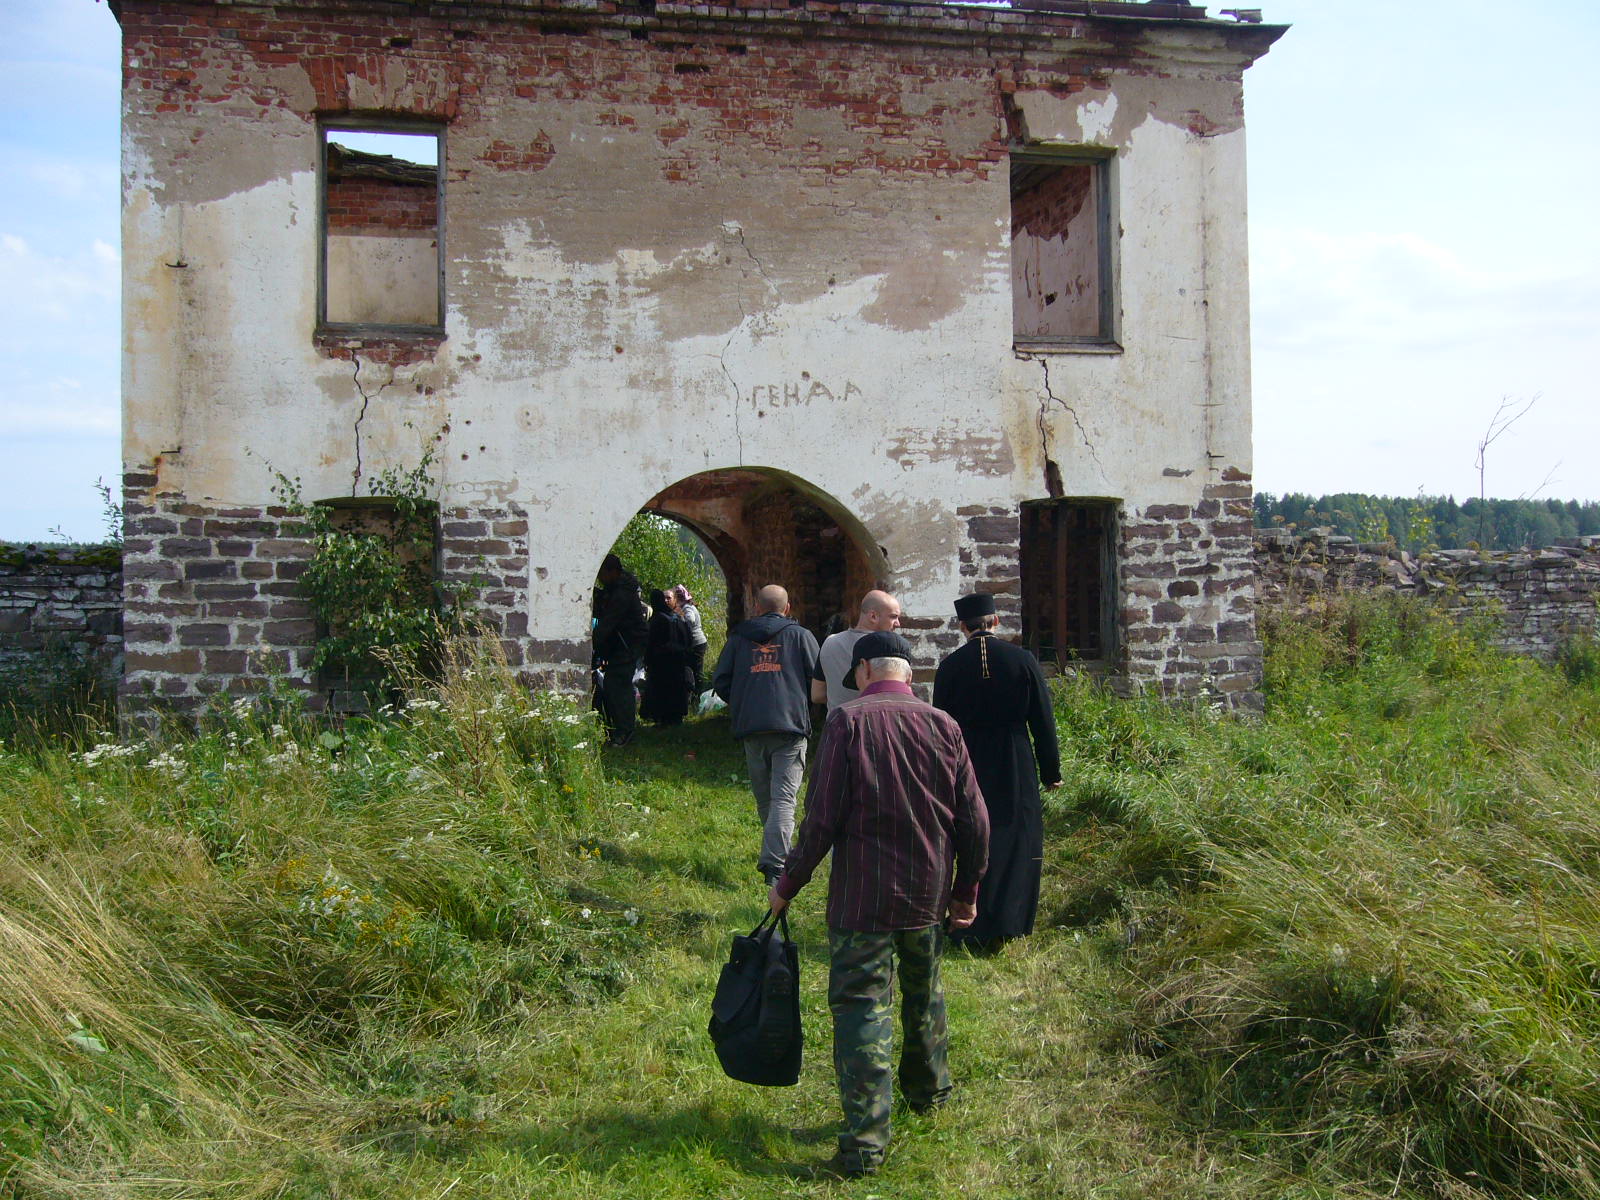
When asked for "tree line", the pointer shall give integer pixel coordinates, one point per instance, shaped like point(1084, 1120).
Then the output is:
point(1431, 522)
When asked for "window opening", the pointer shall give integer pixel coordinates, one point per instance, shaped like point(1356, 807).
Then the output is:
point(381, 262)
point(1061, 264)
point(1069, 579)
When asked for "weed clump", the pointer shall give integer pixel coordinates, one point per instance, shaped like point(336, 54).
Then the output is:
point(1361, 931)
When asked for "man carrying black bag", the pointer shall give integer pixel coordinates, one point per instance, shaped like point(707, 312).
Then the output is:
point(894, 798)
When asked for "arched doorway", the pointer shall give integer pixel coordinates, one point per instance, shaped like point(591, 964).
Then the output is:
point(767, 526)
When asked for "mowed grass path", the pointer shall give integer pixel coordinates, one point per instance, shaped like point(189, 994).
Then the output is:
point(626, 1099)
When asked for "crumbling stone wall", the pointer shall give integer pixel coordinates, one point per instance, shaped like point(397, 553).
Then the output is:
point(1537, 598)
point(213, 601)
point(683, 240)
point(57, 597)
point(1189, 612)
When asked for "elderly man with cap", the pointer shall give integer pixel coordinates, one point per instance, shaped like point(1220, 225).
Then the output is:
point(894, 798)
point(997, 693)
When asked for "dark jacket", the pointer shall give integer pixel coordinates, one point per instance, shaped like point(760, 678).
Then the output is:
point(764, 674)
point(619, 634)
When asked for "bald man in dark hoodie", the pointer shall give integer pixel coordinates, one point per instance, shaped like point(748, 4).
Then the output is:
point(764, 675)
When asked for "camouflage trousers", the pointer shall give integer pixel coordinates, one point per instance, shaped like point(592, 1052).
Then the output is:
point(860, 989)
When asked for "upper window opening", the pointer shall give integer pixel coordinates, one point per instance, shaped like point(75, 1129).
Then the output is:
point(1061, 261)
point(381, 261)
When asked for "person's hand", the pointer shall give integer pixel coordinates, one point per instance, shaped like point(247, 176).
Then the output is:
point(962, 914)
point(1050, 787)
point(776, 902)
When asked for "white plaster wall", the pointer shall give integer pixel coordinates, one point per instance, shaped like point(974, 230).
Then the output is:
point(859, 339)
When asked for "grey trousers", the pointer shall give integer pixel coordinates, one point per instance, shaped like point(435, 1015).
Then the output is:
point(776, 761)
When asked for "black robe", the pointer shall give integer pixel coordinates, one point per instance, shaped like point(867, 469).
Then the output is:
point(998, 695)
point(667, 674)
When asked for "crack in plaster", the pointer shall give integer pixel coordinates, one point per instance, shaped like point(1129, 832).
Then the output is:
point(1043, 422)
point(735, 231)
point(355, 376)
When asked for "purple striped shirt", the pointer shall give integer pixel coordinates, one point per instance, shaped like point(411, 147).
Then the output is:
point(893, 796)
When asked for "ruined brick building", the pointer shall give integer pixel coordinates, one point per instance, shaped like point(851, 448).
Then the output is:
point(932, 296)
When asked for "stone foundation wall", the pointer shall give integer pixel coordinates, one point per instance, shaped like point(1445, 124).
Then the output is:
point(59, 597)
point(212, 601)
point(1537, 598)
point(1188, 585)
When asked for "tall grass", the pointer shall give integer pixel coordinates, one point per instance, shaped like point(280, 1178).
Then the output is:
point(1366, 931)
point(1349, 950)
point(251, 935)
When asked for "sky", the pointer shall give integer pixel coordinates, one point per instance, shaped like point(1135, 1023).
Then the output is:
point(1424, 238)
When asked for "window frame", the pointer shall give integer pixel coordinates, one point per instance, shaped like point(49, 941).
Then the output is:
point(347, 123)
point(1054, 596)
point(1104, 161)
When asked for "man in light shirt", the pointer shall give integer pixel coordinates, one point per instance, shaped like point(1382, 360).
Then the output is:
point(879, 613)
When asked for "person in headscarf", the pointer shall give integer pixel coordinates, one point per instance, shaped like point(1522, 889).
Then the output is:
point(689, 613)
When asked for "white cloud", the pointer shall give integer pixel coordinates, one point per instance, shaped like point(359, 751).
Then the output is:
point(68, 289)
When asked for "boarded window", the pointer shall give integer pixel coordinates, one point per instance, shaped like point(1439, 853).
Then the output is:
point(381, 232)
point(1069, 579)
point(1061, 262)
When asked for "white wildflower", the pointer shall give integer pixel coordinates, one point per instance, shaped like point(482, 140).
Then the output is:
point(585, 913)
point(546, 921)
point(93, 756)
point(581, 746)
point(165, 764)
point(631, 916)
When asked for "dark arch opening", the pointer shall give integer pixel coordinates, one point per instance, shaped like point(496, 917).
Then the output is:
point(767, 526)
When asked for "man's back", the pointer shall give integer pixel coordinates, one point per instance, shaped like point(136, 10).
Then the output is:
point(893, 796)
point(764, 676)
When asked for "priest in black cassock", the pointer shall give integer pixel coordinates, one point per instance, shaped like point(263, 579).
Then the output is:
point(997, 693)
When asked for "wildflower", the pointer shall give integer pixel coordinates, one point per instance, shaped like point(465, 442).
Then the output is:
point(631, 916)
point(106, 750)
point(278, 731)
point(165, 764)
point(585, 913)
point(581, 746)
point(546, 921)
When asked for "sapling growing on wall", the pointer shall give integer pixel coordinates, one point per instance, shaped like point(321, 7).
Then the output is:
point(371, 579)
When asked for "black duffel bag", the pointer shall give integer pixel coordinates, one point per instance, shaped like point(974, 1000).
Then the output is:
point(755, 1015)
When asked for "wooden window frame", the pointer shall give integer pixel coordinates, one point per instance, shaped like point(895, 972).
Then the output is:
point(1106, 339)
point(358, 124)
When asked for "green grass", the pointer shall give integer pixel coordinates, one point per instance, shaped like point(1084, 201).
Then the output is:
point(1349, 950)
